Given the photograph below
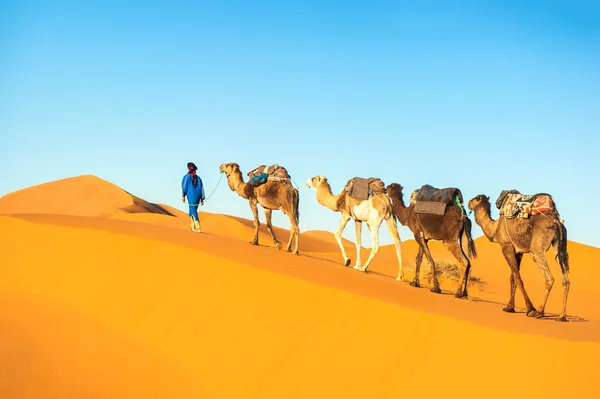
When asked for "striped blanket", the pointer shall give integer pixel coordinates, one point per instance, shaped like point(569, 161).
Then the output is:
point(520, 206)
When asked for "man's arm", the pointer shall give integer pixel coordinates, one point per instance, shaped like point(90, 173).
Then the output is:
point(202, 197)
point(184, 186)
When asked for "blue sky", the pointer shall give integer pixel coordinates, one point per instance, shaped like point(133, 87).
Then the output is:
point(479, 95)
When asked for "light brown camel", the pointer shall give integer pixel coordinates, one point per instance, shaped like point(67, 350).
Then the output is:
point(372, 211)
point(453, 229)
point(272, 196)
point(533, 235)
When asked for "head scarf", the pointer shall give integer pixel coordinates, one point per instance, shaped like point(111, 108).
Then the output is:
point(194, 177)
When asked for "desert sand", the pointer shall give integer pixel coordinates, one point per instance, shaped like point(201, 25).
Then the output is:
point(106, 295)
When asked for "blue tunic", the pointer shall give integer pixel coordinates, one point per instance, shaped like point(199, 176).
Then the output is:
point(193, 193)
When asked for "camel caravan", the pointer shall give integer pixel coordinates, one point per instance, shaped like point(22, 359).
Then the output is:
point(527, 223)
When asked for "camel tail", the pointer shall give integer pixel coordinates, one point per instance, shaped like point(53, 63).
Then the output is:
point(560, 242)
point(472, 251)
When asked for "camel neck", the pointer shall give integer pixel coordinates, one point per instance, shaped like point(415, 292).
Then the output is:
point(401, 209)
point(236, 183)
point(485, 221)
point(326, 198)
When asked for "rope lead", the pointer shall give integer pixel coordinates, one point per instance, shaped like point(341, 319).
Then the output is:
point(214, 189)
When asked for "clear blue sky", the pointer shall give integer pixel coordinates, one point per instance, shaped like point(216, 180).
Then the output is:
point(479, 95)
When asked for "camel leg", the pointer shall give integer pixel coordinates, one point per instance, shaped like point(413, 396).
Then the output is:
point(293, 227)
point(294, 233)
point(338, 237)
point(254, 207)
point(358, 228)
point(565, 286)
point(375, 240)
point(540, 260)
point(297, 242)
point(510, 307)
point(418, 260)
point(510, 255)
point(288, 247)
point(393, 229)
point(268, 215)
point(436, 285)
point(456, 250)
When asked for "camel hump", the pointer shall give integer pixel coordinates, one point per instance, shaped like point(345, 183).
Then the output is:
point(361, 188)
point(522, 206)
point(445, 195)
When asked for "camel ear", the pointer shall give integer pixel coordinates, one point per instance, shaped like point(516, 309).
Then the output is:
point(488, 198)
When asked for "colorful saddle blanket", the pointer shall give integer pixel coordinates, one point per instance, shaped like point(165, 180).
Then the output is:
point(517, 205)
point(503, 195)
point(262, 173)
point(435, 201)
point(361, 189)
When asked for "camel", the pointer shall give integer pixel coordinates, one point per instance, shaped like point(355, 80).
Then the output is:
point(372, 211)
point(453, 229)
point(533, 235)
point(270, 195)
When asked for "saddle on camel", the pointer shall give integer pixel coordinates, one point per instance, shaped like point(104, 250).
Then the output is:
point(435, 201)
point(361, 189)
point(262, 173)
point(512, 204)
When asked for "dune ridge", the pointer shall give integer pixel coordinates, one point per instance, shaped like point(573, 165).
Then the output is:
point(110, 303)
point(85, 195)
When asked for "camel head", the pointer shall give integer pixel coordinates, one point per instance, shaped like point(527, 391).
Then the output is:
point(394, 190)
point(479, 200)
point(315, 181)
point(229, 168)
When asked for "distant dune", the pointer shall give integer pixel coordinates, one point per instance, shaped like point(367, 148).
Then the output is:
point(85, 195)
point(108, 295)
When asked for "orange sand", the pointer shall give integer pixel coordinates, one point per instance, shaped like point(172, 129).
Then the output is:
point(100, 302)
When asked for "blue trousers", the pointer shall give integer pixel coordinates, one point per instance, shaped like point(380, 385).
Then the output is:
point(194, 212)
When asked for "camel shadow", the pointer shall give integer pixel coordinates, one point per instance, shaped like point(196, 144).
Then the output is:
point(553, 316)
point(443, 293)
point(482, 300)
point(548, 316)
point(324, 260)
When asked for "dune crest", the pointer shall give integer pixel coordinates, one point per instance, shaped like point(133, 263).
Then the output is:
point(85, 195)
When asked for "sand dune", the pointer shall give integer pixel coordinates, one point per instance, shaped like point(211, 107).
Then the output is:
point(88, 195)
point(104, 303)
point(52, 350)
point(85, 195)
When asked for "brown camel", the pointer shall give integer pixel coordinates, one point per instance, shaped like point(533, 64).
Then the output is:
point(271, 195)
point(533, 235)
point(372, 211)
point(453, 229)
